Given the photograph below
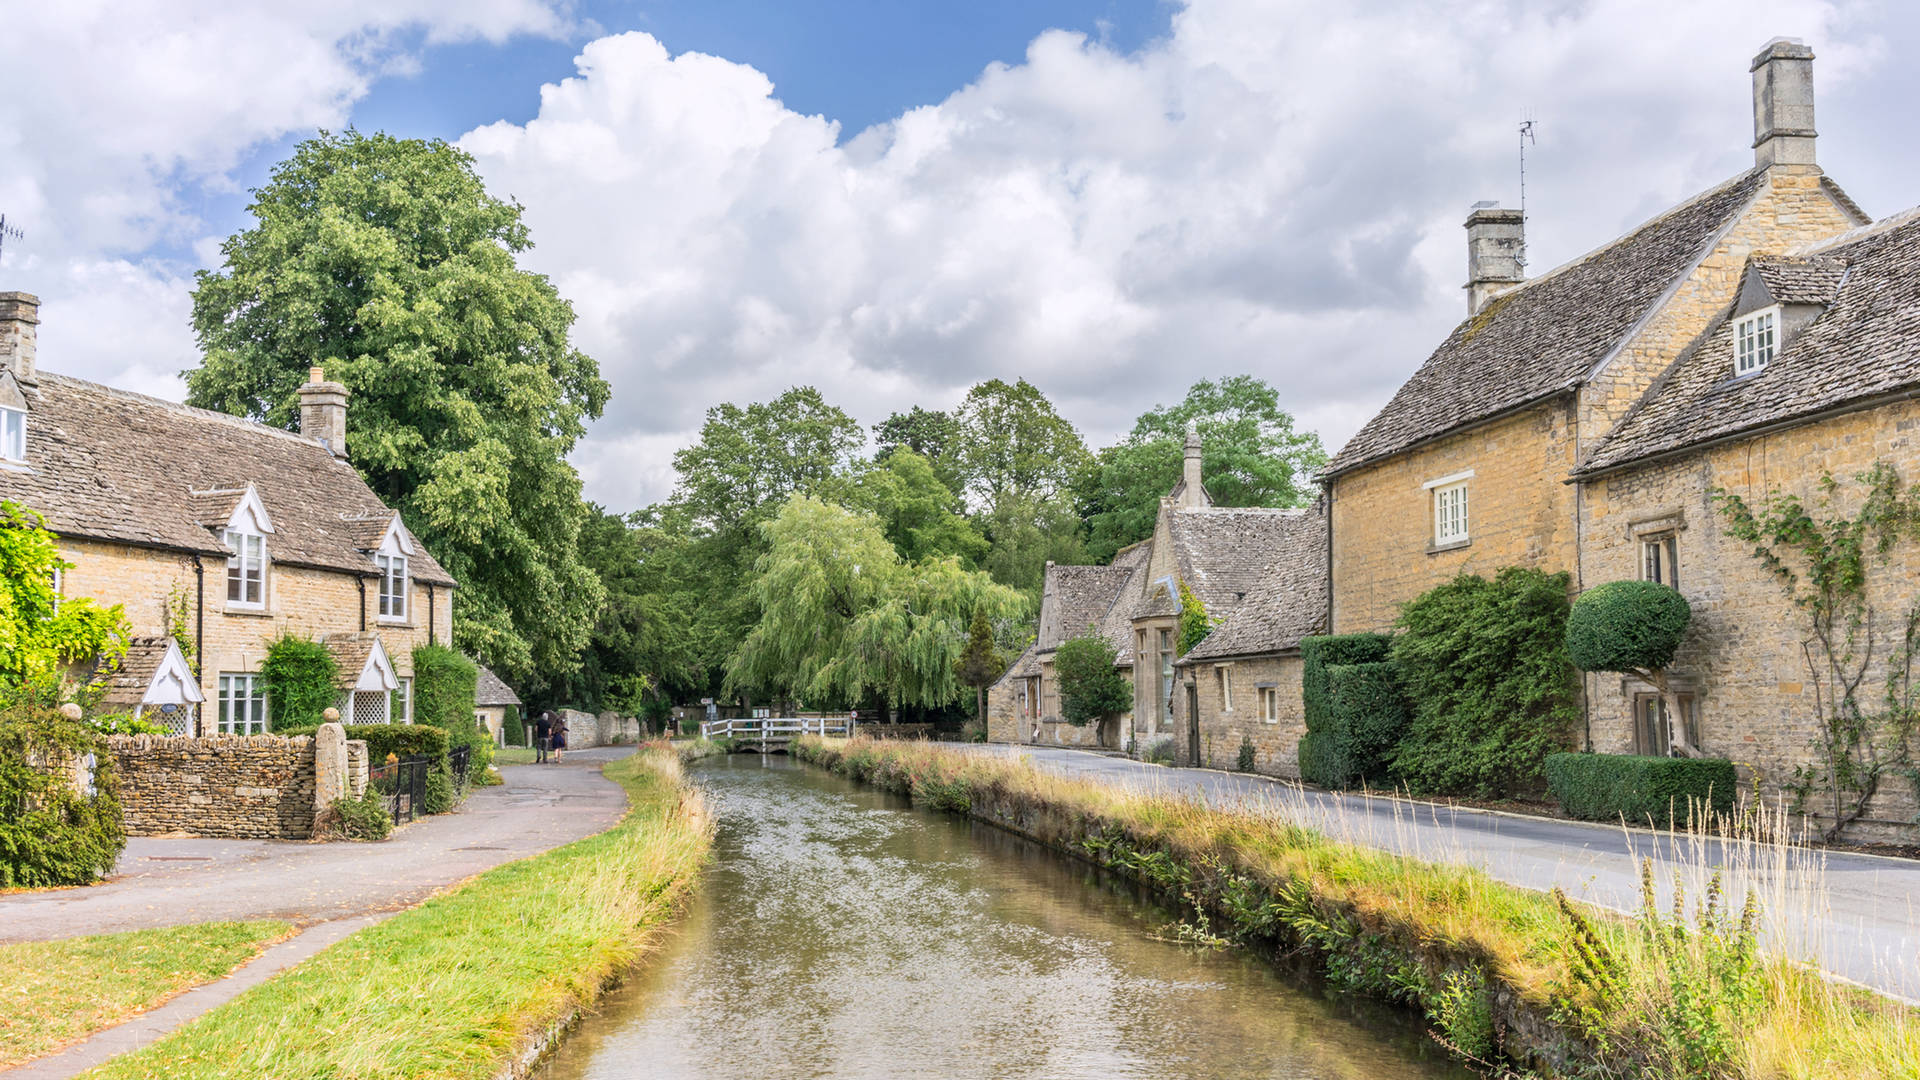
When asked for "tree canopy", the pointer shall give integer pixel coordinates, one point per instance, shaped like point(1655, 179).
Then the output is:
point(1091, 689)
point(1251, 456)
point(386, 262)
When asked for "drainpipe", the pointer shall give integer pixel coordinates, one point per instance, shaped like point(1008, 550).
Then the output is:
point(362, 583)
point(199, 627)
point(430, 618)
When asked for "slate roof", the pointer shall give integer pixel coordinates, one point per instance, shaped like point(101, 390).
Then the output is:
point(1026, 666)
point(1800, 279)
point(489, 690)
point(1546, 335)
point(127, 686)
point(1865, 346)
point(1222, 552)
point(1074, 598)
point(105, 464)
point(350, 653)
point(1288, 603)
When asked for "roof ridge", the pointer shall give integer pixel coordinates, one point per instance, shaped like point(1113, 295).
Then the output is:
point(181, 408)
point(1855, 235)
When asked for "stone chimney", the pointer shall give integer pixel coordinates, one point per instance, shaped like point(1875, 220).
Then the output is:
point(1496, 253)
point(1193, 494)
point(323, 412)
point(19, 329)
point(1783, 104)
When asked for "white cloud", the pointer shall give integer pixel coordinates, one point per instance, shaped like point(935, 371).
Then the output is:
point(1273, 188)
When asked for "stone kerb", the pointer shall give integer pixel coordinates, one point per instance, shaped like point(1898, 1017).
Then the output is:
point(226, 786)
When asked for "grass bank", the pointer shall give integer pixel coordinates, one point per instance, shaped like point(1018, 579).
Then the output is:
point(1509, 978)
point(473, 983)
point(57, 992)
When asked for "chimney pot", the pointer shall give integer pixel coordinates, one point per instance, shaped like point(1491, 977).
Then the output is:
point(1783, 104)
point(1193, 493)
point(323, 412)
point(19, 333)
point(1496, 252)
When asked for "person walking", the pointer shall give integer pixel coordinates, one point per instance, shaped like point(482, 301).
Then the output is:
point(559, 738)
point(542, 733)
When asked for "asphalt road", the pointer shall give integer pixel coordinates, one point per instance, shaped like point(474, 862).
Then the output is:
point(162, 882)
point(1858, 916)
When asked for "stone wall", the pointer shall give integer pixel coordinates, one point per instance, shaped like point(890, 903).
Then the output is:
point(1276, 743)
point(357, 766)
point(1743, 657)
point(1003, 712)
point(586, 730)
point(253, 787)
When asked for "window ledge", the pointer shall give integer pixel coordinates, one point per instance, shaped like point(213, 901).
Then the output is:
point(9, 465)
point(1451, 545)
point(401, 623)
point(249, 612)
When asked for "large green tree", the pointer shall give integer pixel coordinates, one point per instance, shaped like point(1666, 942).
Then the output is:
point(749, 460)
point(931, 433)
point(919, 513)
point(1017, 457)
point(387, 262)
point(1251, 455)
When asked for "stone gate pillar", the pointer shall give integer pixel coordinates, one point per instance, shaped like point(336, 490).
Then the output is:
point(329, 766)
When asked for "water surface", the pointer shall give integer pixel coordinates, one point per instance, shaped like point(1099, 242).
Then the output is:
point(841, 933)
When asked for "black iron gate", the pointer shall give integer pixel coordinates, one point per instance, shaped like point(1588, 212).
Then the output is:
point(403, 785)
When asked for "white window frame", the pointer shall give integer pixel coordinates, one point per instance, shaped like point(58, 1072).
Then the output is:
point(1270, 704)
point(403, 694)
point(396, 581)
point(1452, 508)
point(1756, 340)
point(1225, 673)
point(242, 693)
point(242, 561)
point(13, 434)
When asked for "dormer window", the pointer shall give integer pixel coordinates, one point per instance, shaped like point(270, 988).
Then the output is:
point(13, 434)
point(393, 585)
point(246, 569)
point(1756, 337)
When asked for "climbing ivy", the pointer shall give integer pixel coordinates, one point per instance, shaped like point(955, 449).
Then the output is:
point(1195, 624)
point(1826, 563)
point(301, 680)
point(43, 635)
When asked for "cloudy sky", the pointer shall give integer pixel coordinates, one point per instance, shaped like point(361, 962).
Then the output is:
point(893, 199)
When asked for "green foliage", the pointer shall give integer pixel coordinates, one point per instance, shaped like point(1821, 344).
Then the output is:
point(1463, 1012)
point(1485, 666)
point(1626, 626)
point(512, 731)
point(1657, 790)
point(301, 679)
point(749, 461)
point(402, 741)
point(1354, 709)
point(179, 614)
point(443, 689)
point(440, 794)
point(1091, 688)
point(362, 818)
point(979, 665)
point(41, 635)
point(1016, 458)
point(120, 723)
point(387, 262)
point(1245, 760)
point(1251, 456)
point(917, 511)
point(52, 833)
point(930, 433)
point(1825, 562)
point(1194, 623)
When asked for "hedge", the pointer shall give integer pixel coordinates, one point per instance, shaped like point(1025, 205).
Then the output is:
point(1321, 652)
point(1354, 708)
point(401, 740)
point(300, 677)
point(1627, 626)
point(512, 731)
point(51, 833)
point(443, 696)
point(1608, 787)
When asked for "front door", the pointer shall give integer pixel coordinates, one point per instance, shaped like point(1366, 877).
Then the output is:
point(1193, 724)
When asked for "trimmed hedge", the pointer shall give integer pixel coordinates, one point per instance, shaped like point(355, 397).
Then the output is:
point(52, 834)
point(512, 731)
point(300, 677)
point(1354, 708)
point(1627, 626)
point(401, 740)
point(1660, 790)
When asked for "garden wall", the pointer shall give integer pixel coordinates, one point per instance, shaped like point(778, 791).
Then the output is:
point(257, 787)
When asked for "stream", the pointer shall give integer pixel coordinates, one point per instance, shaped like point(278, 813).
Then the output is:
point(842, 933)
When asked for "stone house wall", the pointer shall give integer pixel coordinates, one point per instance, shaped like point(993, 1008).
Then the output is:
point(1520, 513)
point(1743, 656)
point(310, 603)
point(1004, 721)
point(1276, 745)
point(257, 787)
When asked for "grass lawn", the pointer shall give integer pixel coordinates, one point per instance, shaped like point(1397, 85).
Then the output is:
point(457, 986)
point(513, 755)
point(55, 992)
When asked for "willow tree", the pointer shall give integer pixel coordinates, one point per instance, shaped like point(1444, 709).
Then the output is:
point(843, 616)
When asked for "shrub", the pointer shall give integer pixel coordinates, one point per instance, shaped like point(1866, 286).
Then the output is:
point(364, 818)
point(1484, 664)
point(1660, 790)
point(1354, 708)
point(443, 687)
point(512, 731)
point(1159, 751)
point(53, 834)
point(402, 741)
point(1090, 687)
point(1245, 761)
point(1195, 624)
point(440, 794)
point(1626, 626)
point(301, 680)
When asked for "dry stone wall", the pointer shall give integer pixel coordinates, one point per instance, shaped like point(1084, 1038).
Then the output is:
point(246, 787)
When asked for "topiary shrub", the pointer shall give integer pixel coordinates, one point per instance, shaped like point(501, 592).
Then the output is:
point(1354, 708)
point(302, 682)
point(1634, 628)
point(1484, 665)
point(1661, 791)
point(512, 731)
point(1091, 689)
point(1245, 760)
point(1321, 652)
point(52, 833)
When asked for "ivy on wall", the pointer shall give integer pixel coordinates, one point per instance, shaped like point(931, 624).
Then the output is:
point(301, 679)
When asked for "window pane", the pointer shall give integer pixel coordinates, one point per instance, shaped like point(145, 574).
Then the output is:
point(13, 434)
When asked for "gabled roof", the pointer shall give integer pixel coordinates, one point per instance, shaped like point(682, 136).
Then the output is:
point(1025, 666)
point(361, 662)
point(105, 464)
point(489, 690)
point(1075, 598)
point(153, 671)
point(1548, 334)
point(1221, 552)
point(1799, 279)
point(1863, 348)
point(1117, 624)
point(1288, 603)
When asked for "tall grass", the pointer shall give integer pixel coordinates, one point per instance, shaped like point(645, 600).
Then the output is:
point(1509, 977)
point(465, 984)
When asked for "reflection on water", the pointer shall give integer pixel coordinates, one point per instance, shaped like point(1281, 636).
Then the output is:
point(842, 934)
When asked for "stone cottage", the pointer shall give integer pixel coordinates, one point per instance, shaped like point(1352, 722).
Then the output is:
point(492, 700)
point(217, 535)
point(1219, 554)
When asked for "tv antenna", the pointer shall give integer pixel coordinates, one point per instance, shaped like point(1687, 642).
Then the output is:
point(1526, 136)
point(6, 231)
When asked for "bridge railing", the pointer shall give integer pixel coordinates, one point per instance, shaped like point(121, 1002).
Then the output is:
point(772, 729)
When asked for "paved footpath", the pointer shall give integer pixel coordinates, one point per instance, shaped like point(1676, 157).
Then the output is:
point(329, 890)
point(1860, 914)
